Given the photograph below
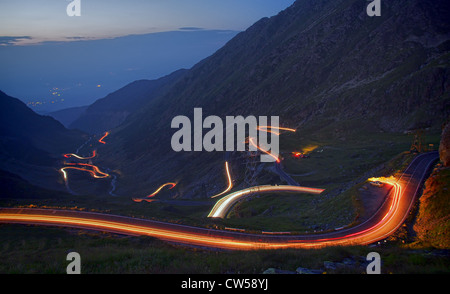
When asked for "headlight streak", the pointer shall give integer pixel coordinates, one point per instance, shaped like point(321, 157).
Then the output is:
point(221, 208)
point(94, 154)
point(230, 182)
point(95, 172)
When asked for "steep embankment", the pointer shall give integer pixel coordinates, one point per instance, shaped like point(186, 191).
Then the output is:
point(433, 221)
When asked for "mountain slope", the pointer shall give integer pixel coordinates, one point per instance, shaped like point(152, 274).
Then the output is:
point(31, 144)
point(111, 111)
point(323, 66)
point(69, 115)
point(45, 133)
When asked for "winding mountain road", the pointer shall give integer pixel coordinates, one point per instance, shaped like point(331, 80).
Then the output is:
point(383, 223)
point(284, 175)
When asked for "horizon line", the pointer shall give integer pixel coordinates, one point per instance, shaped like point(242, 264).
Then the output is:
point(16, 41)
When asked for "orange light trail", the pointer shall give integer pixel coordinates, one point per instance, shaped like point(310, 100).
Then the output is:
point(378, 231)
point(95, 172)
point(123, 227)
point(160, 188)
point(139, 200)
point(266, 129)
point(154, 193)
point(230, 182)
point(221, 208)
point(382, 224)
point(104, 136)
point(94, 154)
point(263, 150)
point(205, 237)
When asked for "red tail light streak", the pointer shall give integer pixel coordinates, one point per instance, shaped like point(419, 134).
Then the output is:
point(102, 138)
point(382, 229)
point(273, 130)
point(139, 200)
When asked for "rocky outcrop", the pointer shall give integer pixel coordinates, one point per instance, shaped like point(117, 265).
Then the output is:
point(444, 147)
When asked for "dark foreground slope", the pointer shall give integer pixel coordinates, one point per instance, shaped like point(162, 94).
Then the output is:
point(325, 67)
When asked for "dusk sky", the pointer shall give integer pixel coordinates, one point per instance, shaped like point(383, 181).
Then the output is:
point(114, 42)
point(48, 20)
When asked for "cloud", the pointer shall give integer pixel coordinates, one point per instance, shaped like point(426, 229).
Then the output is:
point(190, 29)
point(12, 40)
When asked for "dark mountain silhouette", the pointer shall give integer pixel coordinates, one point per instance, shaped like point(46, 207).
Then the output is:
point(32, 144)
point(111, 111)
point(324, 66)
point(43, 132)
point(13, 186)
point(69, 115)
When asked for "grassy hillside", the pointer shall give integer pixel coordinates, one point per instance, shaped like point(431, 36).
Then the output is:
point(433, 221)
point(106, 253)
point(109, 254)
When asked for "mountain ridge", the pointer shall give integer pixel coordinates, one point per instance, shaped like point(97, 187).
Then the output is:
point(324, 67)
point(31, 145)
point(111, 111)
